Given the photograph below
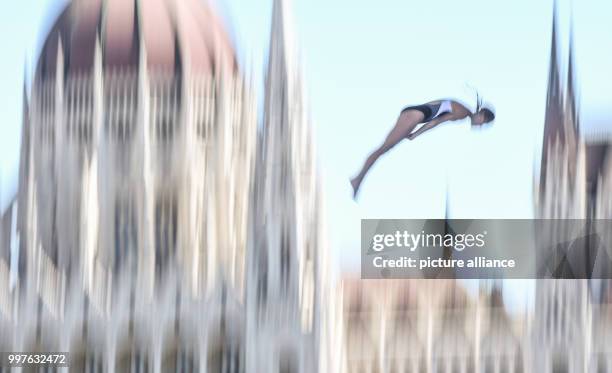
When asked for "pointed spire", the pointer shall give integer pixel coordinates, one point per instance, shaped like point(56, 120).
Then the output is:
point(553, 71)
point(281, 31)
point(553, 122)
point(285, 166)
point(25, 102)
point(570, 95)
point(25, 143)
point(25, 118)
point(280, 57)
point(280, 81)
point(25, 83)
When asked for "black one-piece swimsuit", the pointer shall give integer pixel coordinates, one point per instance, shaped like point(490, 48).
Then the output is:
point(429, 110)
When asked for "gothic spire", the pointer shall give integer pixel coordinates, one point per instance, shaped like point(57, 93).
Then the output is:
point(570, 95)
point(553, 122)
point(554, 83)
point(281, 38)
point(286, 180)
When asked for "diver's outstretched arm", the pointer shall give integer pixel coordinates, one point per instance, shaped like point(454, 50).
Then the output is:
point(431, 124)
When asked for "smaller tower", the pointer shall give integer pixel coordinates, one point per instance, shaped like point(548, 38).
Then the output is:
point(285, 224)
point(560, 328)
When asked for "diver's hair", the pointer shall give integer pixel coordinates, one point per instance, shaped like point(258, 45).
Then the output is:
point(488, 114)
point(478, 102)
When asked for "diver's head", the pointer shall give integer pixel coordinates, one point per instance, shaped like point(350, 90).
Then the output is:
point(482, 116)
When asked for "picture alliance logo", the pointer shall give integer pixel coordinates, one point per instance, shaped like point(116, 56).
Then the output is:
point(413, 241)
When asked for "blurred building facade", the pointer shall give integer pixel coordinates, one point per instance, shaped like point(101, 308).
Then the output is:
point(427, 326)
point(156, 228)
point(572, 321)
point(561, 324)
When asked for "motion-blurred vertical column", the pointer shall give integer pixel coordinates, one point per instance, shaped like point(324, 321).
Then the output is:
point(286, 250)
point(146, 248)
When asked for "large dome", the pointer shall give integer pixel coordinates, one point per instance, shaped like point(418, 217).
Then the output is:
point(177, 34)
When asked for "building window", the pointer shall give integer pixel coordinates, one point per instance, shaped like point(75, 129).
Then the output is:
point(288, 364)
point(84, 132)
point(164, 109)
point(79, 110)
point(285, 257)
point(134, 361)
point(140, 363)
point(185, 363)
point(164, 128)
point(307, 295)
point(226, 357)
point(46, 119)
point(518, 363)
point(205, 109)
point(423, 366)
point(126, 231)
point(441, 366)
point(488, 365)
point(94, 364)
point(179, 361)
point(165, 231)
point(79, 129)
point(124, 129)
point(205, 118)
point(119, 124)
point(120, 108)
point(262, 279)
point(602, 366)
point(85, 362)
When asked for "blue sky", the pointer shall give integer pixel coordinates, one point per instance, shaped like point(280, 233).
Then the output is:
point(363, 61)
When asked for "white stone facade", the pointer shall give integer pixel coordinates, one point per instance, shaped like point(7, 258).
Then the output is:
point(416, 326)
point(158, 229)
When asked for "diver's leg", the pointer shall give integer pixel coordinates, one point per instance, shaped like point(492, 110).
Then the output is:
point(406, 123)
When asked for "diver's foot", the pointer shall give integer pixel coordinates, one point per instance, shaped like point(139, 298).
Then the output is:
point(355, 182)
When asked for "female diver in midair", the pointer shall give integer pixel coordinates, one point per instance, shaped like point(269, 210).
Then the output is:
point(432, 114)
